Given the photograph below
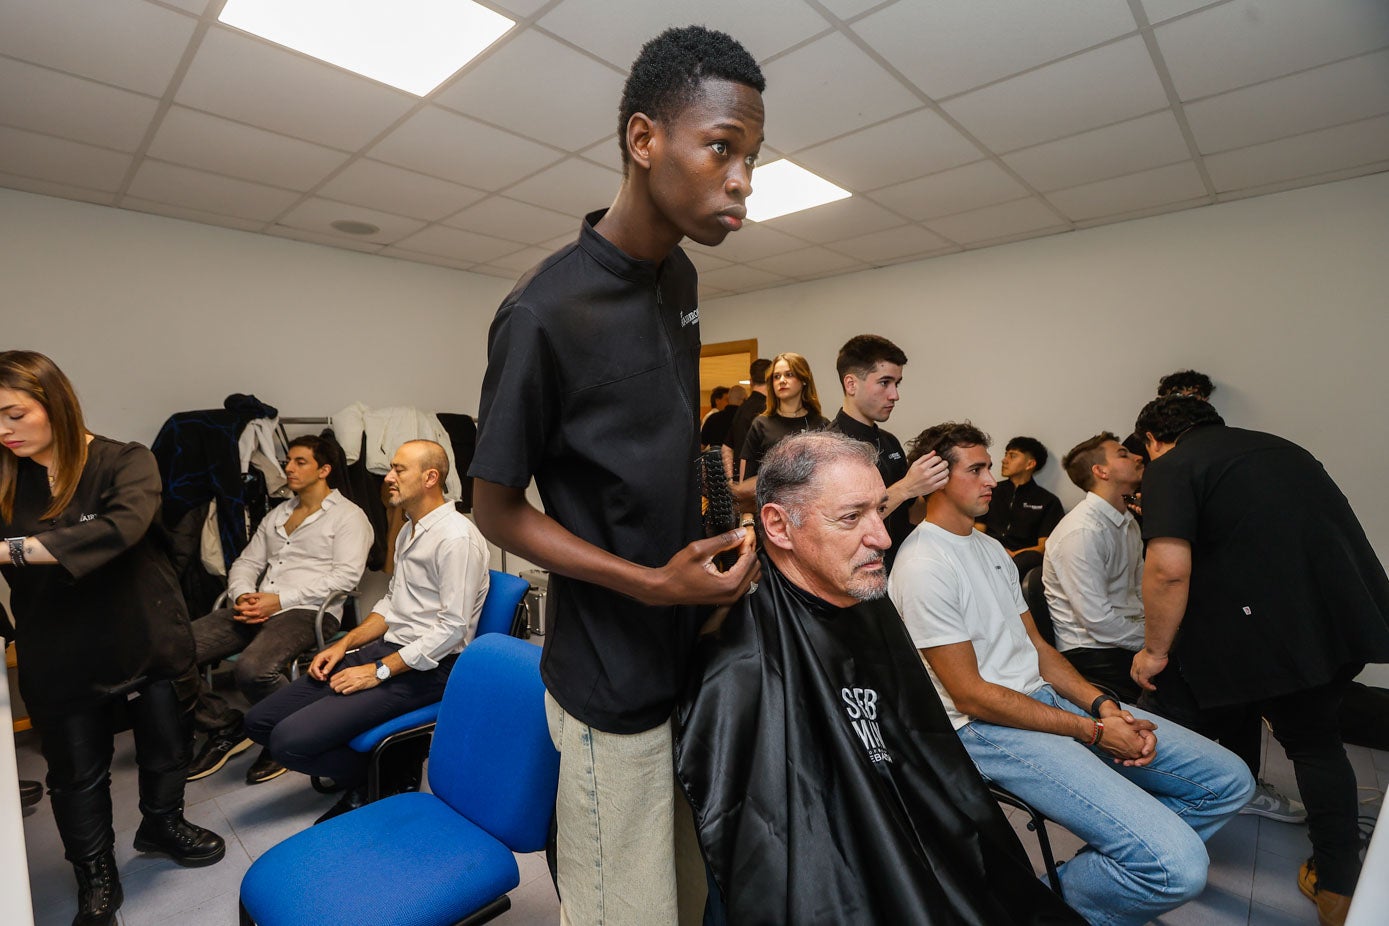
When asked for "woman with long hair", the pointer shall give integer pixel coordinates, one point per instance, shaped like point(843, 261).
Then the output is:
point(99, 620)
point(793, 406)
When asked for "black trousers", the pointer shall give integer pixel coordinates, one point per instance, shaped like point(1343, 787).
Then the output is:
point(1306, 724)
point(78, 744)
point(307, 725)
point(1109, 667)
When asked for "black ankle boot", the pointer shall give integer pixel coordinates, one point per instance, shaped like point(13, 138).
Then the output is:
point(189, 845)
point(98, 890)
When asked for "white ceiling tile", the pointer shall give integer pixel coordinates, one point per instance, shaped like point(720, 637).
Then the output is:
point(844, 218)
point(520, 8)
point(617, 29)
point(457, 245)
point(740, 278)
point(710, 293)
point(960, 189)
point(894, 242)
point(609, 155)
point(129, 43)
point(60, 190)
point(1018, 217)
point(438, 260)
point(1125, 148)
point(848, 9)
point(1239, 43)
point(46, 101)
point(397, 190)
point(1298, 103)
point(521, 261)
point(705, 261)
point(196, 139)
point(536, 86)
point(318, 215)
point(464, 150)
point(1105, 85)
point(1304, 155)
point(266, 86)
point(332, 241)
point(1171, 184)
point(492, 270)
point(825, 89)
point(753, 242)
point(168, 210)
point(1162, 10)
point(515, 221)
point(196, 189)
point(561, 241)
point(814, 261)
point(575, 187)
point(909, 146)
point(949, 46)
point(43, 157)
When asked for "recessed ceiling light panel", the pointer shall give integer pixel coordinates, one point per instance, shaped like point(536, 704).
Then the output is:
point(781, 188)
point(411, 44)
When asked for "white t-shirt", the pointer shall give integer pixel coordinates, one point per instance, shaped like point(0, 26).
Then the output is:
point(950, 589)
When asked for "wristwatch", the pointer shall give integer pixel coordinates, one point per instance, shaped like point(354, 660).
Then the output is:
point(383, 671)
point(1094, 705)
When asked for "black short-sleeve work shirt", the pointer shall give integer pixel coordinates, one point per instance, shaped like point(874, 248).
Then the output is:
point(892, 466)
point(1019, 516)
point(591, 389)
point(1285, 588)
point(769, 430)
point(754, 405)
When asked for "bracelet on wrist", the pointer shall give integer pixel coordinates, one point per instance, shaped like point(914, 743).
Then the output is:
point(1096, 704)
point(16, 551)
point(1099, 731)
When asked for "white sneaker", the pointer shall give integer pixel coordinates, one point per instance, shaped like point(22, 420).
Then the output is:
point(1269, 802)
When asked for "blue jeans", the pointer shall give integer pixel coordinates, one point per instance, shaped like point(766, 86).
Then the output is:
point(1144, 828)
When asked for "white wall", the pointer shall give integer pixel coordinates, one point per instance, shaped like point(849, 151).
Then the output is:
point(150, 315)
point(1283, 300)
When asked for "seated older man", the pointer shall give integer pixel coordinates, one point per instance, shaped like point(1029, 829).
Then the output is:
point(826, 781)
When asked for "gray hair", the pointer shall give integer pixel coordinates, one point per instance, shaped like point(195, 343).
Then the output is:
point(790, 467)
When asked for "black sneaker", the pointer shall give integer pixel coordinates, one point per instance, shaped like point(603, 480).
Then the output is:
point(220, 747)
point(264, 768)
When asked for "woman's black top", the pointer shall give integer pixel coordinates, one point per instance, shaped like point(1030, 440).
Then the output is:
point(110, 612)
point(769, 430)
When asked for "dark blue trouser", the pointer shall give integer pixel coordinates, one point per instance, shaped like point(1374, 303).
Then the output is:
point(307, 725)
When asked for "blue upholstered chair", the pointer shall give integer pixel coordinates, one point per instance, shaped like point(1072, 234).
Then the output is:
point(503, 612)
point(435, 859)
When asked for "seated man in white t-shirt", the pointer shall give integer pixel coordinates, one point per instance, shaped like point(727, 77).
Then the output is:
point(1143, 799)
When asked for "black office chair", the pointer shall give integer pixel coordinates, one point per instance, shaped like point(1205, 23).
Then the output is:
point(1037, 824)
point(1036, 600)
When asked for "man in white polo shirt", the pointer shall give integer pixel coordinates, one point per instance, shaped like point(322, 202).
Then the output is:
point(1142, 799)
point(1092, 570)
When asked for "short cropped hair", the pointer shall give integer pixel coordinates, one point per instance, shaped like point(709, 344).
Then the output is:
point(1198, 383)
point(326, 451)
point(788, 471)
point(1083, 456)
point(670, 69)
point(862, 353)
point(1032, 447)
point(432, 456)
point(1168, 417)
point(718, 392)
point(945, 439)
point(757, 371)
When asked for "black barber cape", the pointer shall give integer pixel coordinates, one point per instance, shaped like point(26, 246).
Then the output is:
point(827, 783)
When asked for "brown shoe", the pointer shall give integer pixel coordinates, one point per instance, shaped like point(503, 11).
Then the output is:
point(1332, 908)
point(1307, 879)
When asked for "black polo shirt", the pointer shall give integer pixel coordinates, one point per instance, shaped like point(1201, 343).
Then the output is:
point(754, 405)
point(591, 389)
point(892, 466)
point(1285, 587)
point(1019, 516)
point(716, 426)
point(769, 430)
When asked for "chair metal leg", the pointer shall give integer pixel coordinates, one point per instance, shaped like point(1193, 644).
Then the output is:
point(245, 915)
point(1037, 823)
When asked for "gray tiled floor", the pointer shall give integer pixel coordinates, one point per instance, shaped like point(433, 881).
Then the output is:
point(1252, 878)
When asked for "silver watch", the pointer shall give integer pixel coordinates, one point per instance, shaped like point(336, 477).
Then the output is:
point(383, 671)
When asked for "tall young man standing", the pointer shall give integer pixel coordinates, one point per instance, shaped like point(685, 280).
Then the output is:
point(591, 389)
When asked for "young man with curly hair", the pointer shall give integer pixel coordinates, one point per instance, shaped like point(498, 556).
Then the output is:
point(592, 391)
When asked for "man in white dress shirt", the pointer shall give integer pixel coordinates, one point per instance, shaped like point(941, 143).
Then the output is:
point(1092, 570)
point(305, 550)
point(399, 658)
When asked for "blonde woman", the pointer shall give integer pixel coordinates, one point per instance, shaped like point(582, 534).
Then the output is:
point(99, 620)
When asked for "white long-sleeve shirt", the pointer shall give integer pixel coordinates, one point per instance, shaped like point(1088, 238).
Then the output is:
point(325, 554)
point(436, 593)
point(1092, 574)
point(385, 430)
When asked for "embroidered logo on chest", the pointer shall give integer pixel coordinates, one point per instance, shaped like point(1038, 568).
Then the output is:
point(861, 704)
point(689, 318)
point(86, 517)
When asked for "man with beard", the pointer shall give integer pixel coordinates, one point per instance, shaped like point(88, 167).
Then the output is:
point(827, 784)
